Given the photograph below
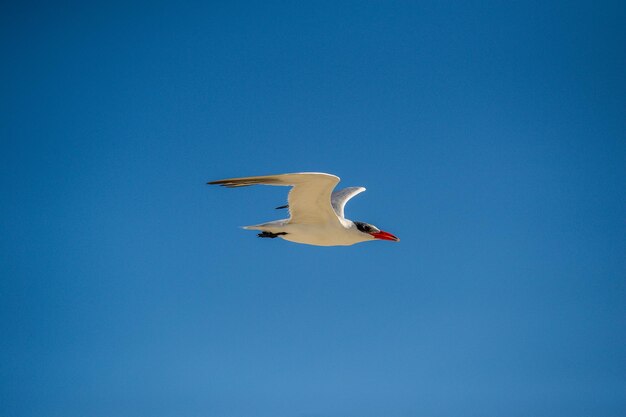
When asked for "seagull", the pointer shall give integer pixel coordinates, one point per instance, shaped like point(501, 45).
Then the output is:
point(316, 212)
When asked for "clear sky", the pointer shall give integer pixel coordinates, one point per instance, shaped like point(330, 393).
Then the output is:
point(491, 137)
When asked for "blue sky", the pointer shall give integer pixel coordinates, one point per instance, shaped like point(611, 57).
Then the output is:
point(491, 138)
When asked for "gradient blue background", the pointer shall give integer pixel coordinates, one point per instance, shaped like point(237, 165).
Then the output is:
point(490, 136)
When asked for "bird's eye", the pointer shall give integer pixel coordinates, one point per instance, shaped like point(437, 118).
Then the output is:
point(366, 228)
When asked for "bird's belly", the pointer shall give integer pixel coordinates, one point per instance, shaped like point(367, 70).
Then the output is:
point(318, 236)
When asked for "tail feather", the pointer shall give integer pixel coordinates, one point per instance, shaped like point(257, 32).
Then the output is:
point(253, 227)
point(275, 226)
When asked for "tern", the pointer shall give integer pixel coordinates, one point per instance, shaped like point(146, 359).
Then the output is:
point(316, 212)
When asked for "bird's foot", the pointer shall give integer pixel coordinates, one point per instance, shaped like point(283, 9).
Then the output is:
point(271, 235)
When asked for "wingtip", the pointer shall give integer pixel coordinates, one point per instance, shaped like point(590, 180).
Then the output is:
point(225, 183)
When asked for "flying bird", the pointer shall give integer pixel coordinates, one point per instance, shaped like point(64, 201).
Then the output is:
point(316, 212)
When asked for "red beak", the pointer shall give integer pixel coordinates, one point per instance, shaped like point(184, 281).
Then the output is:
point(385, 236)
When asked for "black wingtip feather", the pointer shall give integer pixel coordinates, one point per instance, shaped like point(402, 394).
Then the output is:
point(233, 183)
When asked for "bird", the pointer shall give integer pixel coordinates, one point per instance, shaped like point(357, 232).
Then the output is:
point(316, 212)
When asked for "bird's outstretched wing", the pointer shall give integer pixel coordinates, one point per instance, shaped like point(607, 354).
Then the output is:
point(309, 199)
point(341, 197)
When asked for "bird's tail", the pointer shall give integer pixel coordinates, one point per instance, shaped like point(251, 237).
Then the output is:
point(275, 226)
point(253, 227)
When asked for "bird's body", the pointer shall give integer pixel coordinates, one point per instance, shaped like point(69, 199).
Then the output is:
point(329, 234)
point(316, 212)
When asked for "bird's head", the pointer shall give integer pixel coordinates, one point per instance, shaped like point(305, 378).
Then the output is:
point(374, 231)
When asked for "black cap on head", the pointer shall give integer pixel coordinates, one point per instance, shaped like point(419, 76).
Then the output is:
point(366, 228)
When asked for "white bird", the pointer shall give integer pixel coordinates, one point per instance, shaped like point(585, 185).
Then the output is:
point(316, 212)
